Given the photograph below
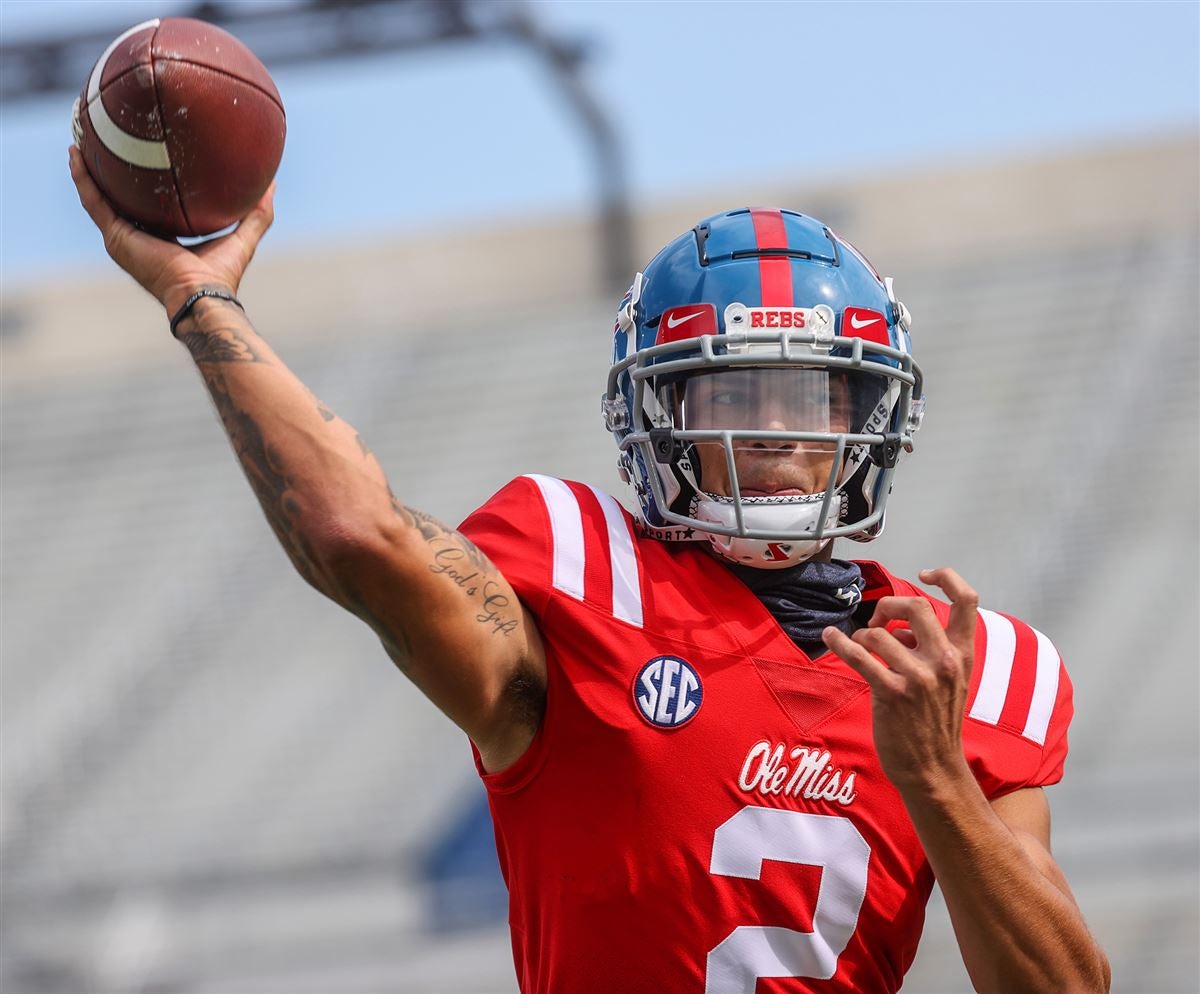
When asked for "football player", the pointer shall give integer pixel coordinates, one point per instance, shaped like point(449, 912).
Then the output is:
point(718, 759)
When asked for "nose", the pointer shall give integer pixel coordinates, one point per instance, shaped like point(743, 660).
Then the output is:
point(774, 444)
point(772, 417)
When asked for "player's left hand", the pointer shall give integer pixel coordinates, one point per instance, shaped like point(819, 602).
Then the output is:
point(919, 676)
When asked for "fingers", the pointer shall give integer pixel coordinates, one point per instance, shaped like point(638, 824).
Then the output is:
point(964, 605)
point(859, 659)
point(920, 616)
point(899, 657)
point(116, 230)
point(93, 201)
point(917, 612)
point(919, 646)
point(255, 224)
point(231, 254)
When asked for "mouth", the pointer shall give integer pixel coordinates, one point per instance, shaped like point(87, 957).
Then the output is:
point(772, 492)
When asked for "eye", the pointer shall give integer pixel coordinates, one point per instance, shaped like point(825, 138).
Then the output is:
point(730, 398)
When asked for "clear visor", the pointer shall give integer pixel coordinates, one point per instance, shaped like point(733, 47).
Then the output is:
point(780, 399)
point(821, 403)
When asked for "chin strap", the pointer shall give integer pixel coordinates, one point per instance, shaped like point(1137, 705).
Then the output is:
point(805, 599)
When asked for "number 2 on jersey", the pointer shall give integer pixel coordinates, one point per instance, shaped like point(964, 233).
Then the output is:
point(740, 847)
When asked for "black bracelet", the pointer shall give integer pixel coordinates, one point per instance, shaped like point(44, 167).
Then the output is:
point(198, 295)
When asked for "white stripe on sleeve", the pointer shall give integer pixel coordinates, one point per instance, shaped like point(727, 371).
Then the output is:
point(1045, 690)
point(566, 529)
point(626, 581)
point(998, 658)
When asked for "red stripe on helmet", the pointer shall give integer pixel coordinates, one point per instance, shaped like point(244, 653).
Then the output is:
point(774, 272)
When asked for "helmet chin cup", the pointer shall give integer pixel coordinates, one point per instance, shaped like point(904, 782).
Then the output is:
point(762, 554)
point(794, 517)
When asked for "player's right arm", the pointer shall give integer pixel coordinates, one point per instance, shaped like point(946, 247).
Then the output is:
point(447, 617)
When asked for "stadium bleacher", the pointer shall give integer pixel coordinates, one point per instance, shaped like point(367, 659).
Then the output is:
point(214, 781)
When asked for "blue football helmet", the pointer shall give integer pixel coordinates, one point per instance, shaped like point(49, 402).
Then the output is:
point(762, 389)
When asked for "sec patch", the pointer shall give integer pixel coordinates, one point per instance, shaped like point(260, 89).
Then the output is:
point(667, 692)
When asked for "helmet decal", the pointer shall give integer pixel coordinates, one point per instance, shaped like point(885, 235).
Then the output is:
point(689, 321)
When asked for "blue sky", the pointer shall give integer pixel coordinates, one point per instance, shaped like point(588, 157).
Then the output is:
point(704, 94)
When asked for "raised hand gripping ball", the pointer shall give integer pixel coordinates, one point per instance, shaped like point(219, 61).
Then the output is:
point(180, 126)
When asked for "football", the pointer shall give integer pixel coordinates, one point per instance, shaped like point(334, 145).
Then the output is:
point(181, 127)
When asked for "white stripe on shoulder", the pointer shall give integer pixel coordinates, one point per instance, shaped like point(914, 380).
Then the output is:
point(997, 663)
point(566, 530)
point(1045, 690)
point(626, 575)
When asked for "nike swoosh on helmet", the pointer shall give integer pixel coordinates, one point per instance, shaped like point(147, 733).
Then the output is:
point(674, 322)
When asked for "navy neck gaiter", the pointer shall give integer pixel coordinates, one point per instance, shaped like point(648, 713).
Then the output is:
point(807, 598)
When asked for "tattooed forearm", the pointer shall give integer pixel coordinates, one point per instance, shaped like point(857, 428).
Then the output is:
point(266, 472)
point(328, 415)
point(225, 345)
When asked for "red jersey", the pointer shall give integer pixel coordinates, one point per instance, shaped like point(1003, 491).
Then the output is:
point(702, 810)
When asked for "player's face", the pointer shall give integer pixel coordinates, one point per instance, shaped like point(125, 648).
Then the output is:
point(794, 400)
